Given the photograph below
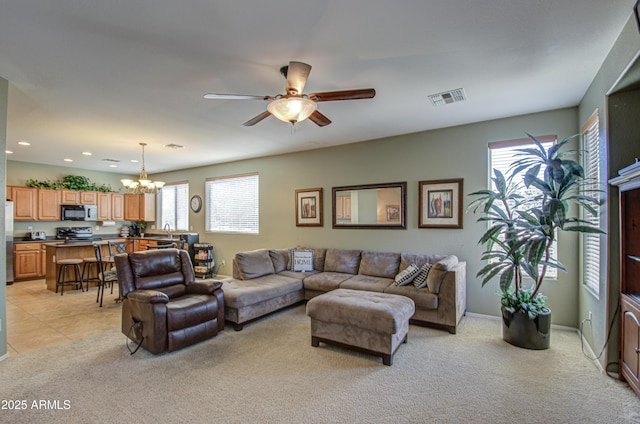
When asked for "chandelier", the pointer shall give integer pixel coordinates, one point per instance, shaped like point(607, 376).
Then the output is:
point(144, 184)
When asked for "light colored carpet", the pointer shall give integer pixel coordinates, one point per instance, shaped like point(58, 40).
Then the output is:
point(269, 373)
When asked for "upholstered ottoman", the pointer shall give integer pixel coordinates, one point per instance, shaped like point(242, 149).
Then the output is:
point(370, 322)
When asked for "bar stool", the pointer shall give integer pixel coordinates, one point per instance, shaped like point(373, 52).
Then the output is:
point(89, 264)
point(62, 274)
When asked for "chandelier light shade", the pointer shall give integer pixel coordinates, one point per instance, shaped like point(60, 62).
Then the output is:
point(144, 184)
point(292, 108)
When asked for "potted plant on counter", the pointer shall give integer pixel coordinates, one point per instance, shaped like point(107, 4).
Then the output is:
point(525, 212)
point(141, 227)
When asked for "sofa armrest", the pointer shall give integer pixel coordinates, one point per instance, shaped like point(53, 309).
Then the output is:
point(203, 287)
point(148, 296)
point(452, 299)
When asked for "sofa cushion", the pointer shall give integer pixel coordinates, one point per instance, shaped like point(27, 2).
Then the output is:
point(439, 271)
point(301, 260)
point(367, 283)
point(446, 263)
point(280, 259)
point(379, 264)
point(254, 264)
point(407, 259)
point(423, 298)
point(242, 293)
point(342, 260)
point(407, 275)
point(325, 281)
point(423, 275)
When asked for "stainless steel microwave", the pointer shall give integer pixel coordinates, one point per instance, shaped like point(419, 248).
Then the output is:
point(79, 213)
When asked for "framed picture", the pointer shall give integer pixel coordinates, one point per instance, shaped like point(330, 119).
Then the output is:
point(393, 213)
point(309, 207)
point(440, 204)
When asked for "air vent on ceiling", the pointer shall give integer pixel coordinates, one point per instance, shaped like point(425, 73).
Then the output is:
point(447, 97)
point(111, 160)
point(173, 146)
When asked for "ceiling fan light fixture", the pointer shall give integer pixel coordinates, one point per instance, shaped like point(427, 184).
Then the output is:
point(292, 108)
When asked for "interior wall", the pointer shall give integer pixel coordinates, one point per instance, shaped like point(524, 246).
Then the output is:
point(620, 151)
point(4, 94)
point(456, 152)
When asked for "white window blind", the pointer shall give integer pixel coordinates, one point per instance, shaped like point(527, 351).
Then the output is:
point(591, 164)
point(502, 154)
point(232, 204)
point(173, 205)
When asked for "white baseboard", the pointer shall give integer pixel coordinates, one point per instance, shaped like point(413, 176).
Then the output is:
point(3, 357)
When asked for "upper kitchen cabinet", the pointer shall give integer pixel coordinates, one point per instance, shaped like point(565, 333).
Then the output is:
point(117, 207)
point(70, 197)
point(49, 205)
point(104, 206)
point(25, 203)
point(88, 197)
point(140, 207)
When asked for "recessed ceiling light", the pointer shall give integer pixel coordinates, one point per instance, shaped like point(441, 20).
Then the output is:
point(113, 166)
point(9, 152)
point(68, 160)
point(24, 143)
point(134, 161)
point(87, 153)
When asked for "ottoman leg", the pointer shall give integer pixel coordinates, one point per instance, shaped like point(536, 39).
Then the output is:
point(314, 341)
point(387, 359)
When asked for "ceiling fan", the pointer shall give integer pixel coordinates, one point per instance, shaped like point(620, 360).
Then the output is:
point(294, 106)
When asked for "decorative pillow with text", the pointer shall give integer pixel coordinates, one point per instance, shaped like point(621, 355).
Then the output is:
point(301, 260)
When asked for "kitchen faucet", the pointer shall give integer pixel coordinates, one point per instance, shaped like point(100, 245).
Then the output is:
point(167, 227)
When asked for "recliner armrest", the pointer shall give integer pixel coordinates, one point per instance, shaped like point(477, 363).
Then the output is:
point(203, 287)
point(148, 296)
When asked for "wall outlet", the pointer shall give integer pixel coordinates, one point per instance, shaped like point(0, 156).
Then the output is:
point(590, 315)
point(29, 228)
point(97, 228)
point(223, 263)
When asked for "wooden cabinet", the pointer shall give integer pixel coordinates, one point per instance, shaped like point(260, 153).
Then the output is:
point(88, 197)
point(25, 203)
point(117, 207)
point(140, 207)
point(104, 206)
point(26, 261)
point(49, 205)
point(629, 184)
point(141, 244)
point(43, 260)
point(69, 197)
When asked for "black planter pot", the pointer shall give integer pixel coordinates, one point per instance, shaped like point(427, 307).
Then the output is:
point(519, 330)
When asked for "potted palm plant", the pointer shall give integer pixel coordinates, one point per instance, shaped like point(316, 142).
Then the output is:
point(539, 197)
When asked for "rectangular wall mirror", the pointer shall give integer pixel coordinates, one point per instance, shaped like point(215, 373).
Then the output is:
point(370, 206)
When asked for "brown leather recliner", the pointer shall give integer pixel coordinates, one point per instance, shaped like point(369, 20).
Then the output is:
point(164, 308)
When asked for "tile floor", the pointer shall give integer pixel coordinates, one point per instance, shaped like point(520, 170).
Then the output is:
point(37, 317)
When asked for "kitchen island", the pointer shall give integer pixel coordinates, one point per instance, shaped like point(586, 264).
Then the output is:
point(57, 251)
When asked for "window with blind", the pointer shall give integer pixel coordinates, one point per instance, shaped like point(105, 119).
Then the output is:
point(502, 154)
point(232, 204)
point(173, 204)
point(591, 164)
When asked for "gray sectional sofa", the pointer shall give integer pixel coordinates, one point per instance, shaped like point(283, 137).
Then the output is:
point(263, 282)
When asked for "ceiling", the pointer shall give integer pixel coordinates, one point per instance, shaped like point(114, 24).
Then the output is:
point(103, 76)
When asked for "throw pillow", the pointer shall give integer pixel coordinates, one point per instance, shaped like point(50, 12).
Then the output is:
point(407, 275)
point(421, 279)
point(301, 260)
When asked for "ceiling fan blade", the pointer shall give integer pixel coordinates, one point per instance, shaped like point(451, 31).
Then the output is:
point(329, 96)
point(297, 75)
point(214, 96)
point(319, 119)
point(257, 119)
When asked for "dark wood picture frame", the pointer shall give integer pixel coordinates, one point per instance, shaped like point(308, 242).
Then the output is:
point(309, 207)
point(440, 203)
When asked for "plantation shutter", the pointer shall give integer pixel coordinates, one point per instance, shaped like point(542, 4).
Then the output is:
point(232, 204)
point(502, 154)
point(591, 165)
point(174, 206)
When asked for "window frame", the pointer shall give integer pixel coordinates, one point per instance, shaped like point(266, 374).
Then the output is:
point(178, 185)
point(249, 200)
point(590, 243)
point(552, 273)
